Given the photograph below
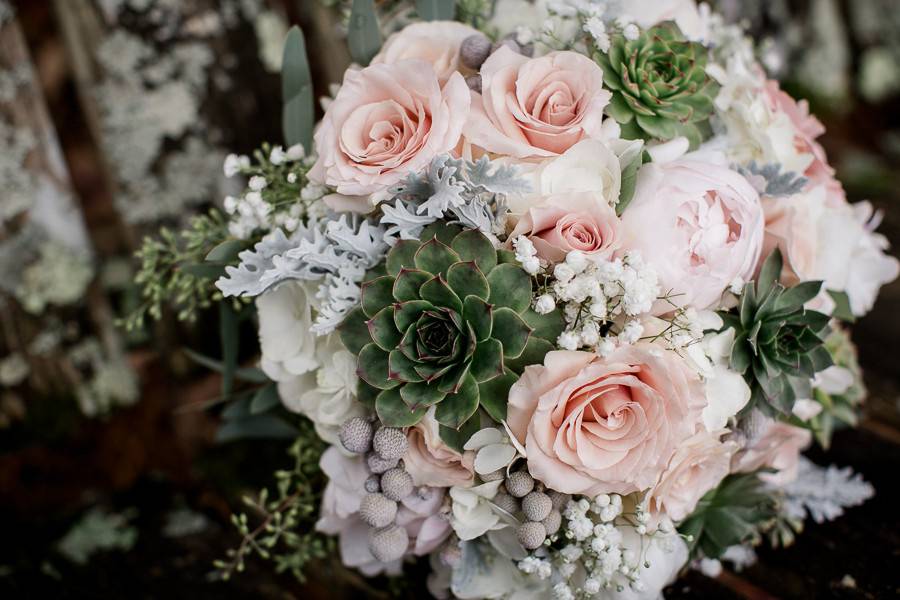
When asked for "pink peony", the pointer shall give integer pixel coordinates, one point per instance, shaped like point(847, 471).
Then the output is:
point(536, 107)
point(435, 42)
point(386, 121)
point(592, 425)
point(777, 446)
point(419, 514)
point(570, 221)
point(700, 226)
point(697, 466)
point(431, 462)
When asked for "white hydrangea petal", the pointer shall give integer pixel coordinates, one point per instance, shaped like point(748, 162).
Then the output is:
point(493, 457)
point(483, 437)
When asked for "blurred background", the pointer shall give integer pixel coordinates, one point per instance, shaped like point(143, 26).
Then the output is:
point(115, 118)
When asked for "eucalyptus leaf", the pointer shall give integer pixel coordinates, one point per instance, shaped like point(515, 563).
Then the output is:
point(265, 426)
point(363, 32)
point(227, 251)
point(436, 10)
point(265, 399)
point(298, 110)
point(229, 337)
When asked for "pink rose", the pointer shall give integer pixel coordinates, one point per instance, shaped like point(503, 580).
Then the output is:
point(777, 446)
point(536, 107)
point(419, 514)
point(386, 121)
point(806, 129)
point(570, 221)
point(432, 462)
point(435, 42)
point(592, 425)
point(700, 226)
point(697, 466)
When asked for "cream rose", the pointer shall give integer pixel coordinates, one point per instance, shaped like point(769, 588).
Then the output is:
point(387, 120)
point(432, 462)
point(286, 340)
point(700, 226)
point(592, 425)
point(571, 221)
point(536, 107)
point(697, 466)
point(435, 42)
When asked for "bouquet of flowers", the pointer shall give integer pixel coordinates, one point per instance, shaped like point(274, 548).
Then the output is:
point(561, 287)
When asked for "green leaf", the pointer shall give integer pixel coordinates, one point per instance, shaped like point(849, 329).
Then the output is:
point(408, 283)
point(511, 331)
point(441, 231)
point(377, 294)
point(238, 408)
point(229, 337)
point(383, 330)
point(769, 274)
point(798, 295)
point(629, 183)
point(535, 351)
point(226, 252)
point(494, 394)
point(456, 439)
point(401, 368)
point(478, 314)
point(393, 412)
point(248, 374)
point(842, 309)
point(416, 395)
point(401, 256)
point(407, 313)
point(436, 10)
point(203, 270)
point(547, 326)
point(437, 292)
point(366, 394)
point(435, 257)
point(264, 426)
point(265, 399)
point(487, 362)
point(354, 331)
point(473, 245)
point(510, 287)
point(741, 355)
point(466, 279)
point(372, 367)
point(298, 111)
point(363, 32)
point(455, 409)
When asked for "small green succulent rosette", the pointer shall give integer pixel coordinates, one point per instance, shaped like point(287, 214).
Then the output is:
point(660, 89)
point(778, 344)
point(449, 325)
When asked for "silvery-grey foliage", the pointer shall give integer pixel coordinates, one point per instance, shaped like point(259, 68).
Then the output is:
point(468, 193)
point(822, 493)
point(769, 180)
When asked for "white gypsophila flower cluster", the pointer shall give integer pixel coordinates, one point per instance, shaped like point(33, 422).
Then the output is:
point(597, 550)
point(602, 300)
point(258, 209)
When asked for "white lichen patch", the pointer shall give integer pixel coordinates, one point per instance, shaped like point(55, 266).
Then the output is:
point(18, 183)
point(58, 277)
point(6, 12)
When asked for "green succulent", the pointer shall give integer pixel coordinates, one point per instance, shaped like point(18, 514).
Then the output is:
point(659, 84)
point(449, 325)
point(778, 344)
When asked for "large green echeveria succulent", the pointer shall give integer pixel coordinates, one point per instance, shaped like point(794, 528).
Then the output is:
point(778, 344)
point(448, 325)
point(659, 84)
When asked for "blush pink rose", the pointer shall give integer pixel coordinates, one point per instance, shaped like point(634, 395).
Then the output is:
point(432, 462)
point(570, 221)
point(435, 42)
point(697, 466)
point(592, 425)
point(536, 107)
point(420, 514)
point(386, 121)
point(776, 446)
point(699, 225)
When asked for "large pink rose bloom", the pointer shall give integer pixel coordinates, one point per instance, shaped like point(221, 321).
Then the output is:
point(432, 462)
point(699, 225)
point(698, 465)
point(419, 513)
point(564, 222)
point(592, 425)
point(777, 446)
point(436, 42)
point(387, 120)
point(536, 107)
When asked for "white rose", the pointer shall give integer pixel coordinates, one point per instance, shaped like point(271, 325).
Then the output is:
point(286, 339)
point(326, 397)
point(647, 13)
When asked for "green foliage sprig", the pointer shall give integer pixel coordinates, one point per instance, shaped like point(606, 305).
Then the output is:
point(285, 533)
